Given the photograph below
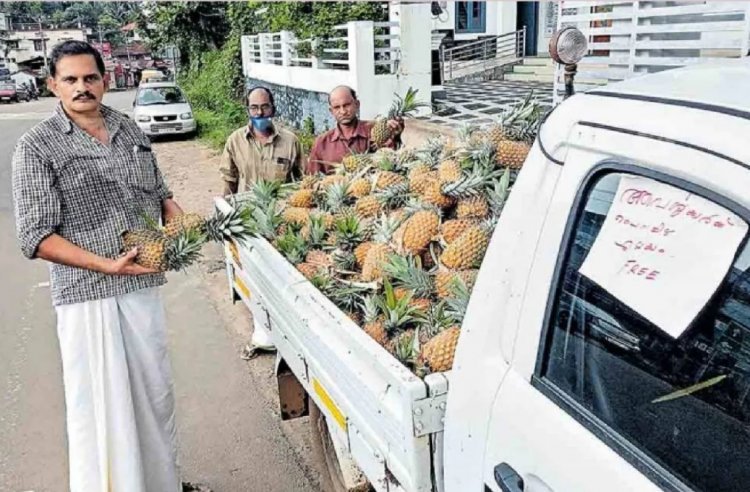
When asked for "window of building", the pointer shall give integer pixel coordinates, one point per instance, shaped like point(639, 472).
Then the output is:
point(470, 17)
point(38, 45)
point(623, 375)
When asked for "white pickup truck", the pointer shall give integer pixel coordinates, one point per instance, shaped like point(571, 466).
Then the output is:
point(606, 345)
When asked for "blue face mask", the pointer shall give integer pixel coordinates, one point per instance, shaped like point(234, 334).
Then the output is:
point(261, 123)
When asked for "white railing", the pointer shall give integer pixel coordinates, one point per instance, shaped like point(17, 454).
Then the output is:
point(370, 57)
point(482, 55)
point(627, 39)
point(332, 53)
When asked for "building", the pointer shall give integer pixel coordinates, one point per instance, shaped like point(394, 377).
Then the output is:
point(456, 23)
point(29, 45)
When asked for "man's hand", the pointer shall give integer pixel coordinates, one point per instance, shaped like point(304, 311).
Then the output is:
point(396, 125)
point(126, 265)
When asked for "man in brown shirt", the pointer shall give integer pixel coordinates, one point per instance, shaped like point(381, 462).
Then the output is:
point(260, 150)
point(351, 135)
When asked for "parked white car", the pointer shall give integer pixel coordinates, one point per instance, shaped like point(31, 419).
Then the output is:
point(161, 108)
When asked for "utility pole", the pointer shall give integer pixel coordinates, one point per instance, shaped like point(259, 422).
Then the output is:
point(44, 46)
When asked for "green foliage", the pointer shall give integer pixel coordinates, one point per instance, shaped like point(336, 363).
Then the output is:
point(208, 35)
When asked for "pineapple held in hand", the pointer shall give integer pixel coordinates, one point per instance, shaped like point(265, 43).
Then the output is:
point(402, 107)
point(177, 245)
point(160, 252)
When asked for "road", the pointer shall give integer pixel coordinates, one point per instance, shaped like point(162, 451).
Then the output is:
point(229, 437)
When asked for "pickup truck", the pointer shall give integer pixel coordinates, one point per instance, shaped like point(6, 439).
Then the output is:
point(606, 344)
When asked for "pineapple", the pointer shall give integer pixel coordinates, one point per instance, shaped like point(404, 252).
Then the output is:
point(309, 182)
point(418, 169)
point(331, 180)
point(359, 188)
point(296, 216)
point(374, 322)
point(406, 273)
point(512, 154)
point(445, 279)
point(151, 247)
point(302, 198)
point(308, 270)
point(405, 348)
point(439, 351)
point(386, 179)
point(380, 133)
point(343, 261)
point(238, 225)
point(368, 206)
point(394, 196)
point(398, 313)
point(419, 230)
point(356, 161)
point(183, 222)
point(314, 232)
point(451, 229)
point(360, 252)
point(292, 246)
point(161, 253)
point(405, 156)
point(433, 194)
point(349, 232)
point(468, 250)
point(475, 207)
point(319, 258)
point(263, 192)
point(512, 138)
point(336, 197)
point(372, 268)
point(420, 181)
point(449, 172)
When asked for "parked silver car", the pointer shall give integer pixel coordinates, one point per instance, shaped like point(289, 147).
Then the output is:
point(161, 108)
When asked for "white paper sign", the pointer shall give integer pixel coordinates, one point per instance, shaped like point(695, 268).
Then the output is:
point(663, 251)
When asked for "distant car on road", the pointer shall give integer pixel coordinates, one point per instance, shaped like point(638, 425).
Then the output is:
point(161, 108)
point(24, 94)
point(9, 92)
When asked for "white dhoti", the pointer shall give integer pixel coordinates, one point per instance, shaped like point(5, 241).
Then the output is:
point(118, 395)
point(261, 326)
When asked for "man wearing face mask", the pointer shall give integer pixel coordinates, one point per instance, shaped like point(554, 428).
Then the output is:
point(258, 151)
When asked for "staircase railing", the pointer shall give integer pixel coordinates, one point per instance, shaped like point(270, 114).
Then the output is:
point(482, 55)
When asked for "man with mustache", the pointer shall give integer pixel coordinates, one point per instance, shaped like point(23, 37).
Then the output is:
point(81, 178)
point(351, 134)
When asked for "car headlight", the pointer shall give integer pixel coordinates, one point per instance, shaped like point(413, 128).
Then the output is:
point(186, 116)
point(144, 119)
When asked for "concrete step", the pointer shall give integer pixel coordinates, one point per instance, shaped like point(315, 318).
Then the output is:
point(539, 61)
point(535, 69)
point(530, 77)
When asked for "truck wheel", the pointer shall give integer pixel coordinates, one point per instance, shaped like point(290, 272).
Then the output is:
point(323, 452)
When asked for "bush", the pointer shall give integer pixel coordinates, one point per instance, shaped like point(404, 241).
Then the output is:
point(215, 88)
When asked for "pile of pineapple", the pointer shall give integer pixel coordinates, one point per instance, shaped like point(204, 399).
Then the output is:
point(395, 238)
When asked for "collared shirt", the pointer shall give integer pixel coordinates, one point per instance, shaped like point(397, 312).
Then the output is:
point(68, 183)
point(331, 147)
point(246, 160)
